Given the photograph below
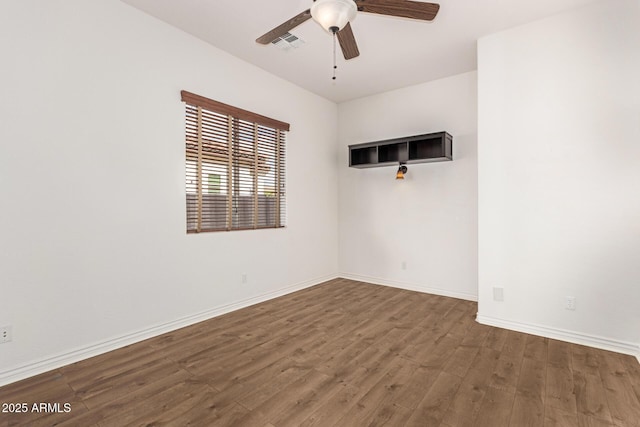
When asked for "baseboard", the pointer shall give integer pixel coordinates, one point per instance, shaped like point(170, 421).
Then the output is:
point(603, 343)
point(410, 286)
point(78, 354)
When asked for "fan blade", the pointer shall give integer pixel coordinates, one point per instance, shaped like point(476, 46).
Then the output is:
point(284, 28)
point(348, 42)
point(402, 8)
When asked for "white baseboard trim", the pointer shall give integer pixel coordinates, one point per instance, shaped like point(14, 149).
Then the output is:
point(410, 286)
point(81, 353)
point(603, 343)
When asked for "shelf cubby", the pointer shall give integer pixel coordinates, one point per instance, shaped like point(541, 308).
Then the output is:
point(363, 157)
point(392, 153)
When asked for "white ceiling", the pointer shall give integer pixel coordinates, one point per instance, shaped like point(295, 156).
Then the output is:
point(394, 52)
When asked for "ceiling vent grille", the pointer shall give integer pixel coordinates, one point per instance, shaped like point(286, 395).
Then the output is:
point(288, 41)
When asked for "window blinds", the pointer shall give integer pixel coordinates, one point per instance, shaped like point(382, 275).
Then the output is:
point(235, 163)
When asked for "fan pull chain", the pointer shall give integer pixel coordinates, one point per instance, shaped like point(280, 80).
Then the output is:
point(334, 56)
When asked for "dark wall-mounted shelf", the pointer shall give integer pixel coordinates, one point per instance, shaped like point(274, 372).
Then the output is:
point(431, 147)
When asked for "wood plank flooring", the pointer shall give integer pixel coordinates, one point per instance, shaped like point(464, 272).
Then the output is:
point(343, 353)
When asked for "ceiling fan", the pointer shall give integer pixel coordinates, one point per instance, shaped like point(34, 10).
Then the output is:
point(335, 17)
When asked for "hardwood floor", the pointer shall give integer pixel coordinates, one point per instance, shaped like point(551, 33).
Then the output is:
point(342, 353)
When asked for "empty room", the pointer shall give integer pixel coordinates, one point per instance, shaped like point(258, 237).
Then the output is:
point(320, 213)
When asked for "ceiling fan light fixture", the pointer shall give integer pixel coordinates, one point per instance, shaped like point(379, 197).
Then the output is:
point(333, 15)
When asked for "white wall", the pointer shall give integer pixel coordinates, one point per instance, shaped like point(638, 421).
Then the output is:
point(94, 253)
point(559, 175)
point(429, 220)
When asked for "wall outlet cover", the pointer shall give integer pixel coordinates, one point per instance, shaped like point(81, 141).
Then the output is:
point(498, 294)
point(570, 303)
point(5, 333)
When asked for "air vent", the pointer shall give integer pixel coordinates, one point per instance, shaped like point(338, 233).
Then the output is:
point(287, 42)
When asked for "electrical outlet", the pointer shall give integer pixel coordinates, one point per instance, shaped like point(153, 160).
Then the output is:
point(244, 278)
point(403, 265)
point(570, 303)
point(5, 333)
point(498, 294)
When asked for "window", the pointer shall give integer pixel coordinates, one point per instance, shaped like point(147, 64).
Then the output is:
point(235, 162)
point(214, 183)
